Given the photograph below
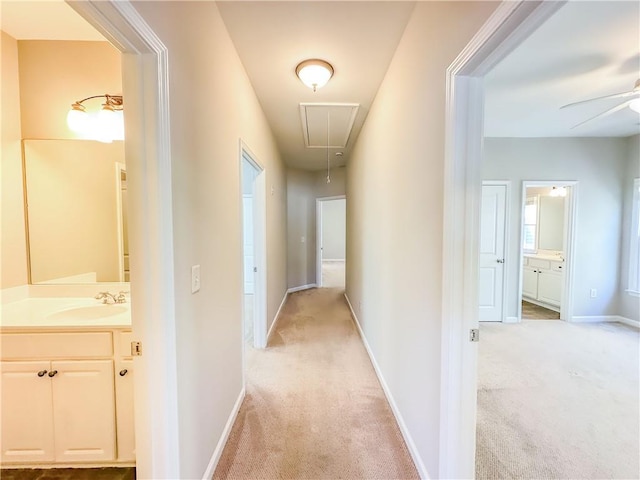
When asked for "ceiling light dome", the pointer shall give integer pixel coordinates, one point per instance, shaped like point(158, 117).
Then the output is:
point(314, 73)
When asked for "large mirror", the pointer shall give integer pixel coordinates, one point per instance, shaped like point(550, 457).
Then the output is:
point(543, 220)
point(76, 211)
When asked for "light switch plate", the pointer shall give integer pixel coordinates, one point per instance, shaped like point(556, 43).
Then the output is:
point(195, 278)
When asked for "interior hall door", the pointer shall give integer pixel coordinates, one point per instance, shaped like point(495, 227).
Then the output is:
point(492, 253)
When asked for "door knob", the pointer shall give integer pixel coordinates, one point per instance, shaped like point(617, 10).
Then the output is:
point(123, 372)
point(42, 373)
point(53, 373)
point(500, 260)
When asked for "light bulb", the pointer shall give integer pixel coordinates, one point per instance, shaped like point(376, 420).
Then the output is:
point(314, 73)
point(635, 105)
point(77, 119)
point(108, 125)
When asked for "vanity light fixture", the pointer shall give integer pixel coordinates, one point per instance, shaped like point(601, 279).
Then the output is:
point(558, 192)
point(314, 73)
point(105, 126)
point(635, 105)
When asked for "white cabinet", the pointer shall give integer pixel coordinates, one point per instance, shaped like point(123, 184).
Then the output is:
point(124, 411)
point(27, 412)
point(83, 410)
point(542, 282)
point(61, 407)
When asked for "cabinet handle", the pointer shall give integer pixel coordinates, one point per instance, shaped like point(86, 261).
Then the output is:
point(53, 373)
point(123, 372)
point(42, 373)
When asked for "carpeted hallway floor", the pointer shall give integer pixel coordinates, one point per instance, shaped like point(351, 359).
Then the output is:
point(558, 400)
point(314, 408)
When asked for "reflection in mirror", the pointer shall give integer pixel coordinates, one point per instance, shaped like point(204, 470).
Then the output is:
point(76, 211)
point(543, 227)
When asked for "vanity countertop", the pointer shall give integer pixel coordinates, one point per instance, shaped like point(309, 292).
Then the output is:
point(54, 312)
point(545, 256)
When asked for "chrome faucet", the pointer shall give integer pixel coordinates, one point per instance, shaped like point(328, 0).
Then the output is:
point(111, 298)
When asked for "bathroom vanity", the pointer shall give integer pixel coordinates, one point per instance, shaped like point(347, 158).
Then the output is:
point(67, 386)
point(542, 280)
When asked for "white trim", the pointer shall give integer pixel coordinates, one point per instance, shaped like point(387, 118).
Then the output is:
point(507, 225)
point(408, 439)
point(217, 453)
point(633, 293)
point(605, 319)
point(259, 244)
point(511, 320)
point(301, 287)
point(510, 23)
point(277, 315)
point(145, 70)
point(319, 259)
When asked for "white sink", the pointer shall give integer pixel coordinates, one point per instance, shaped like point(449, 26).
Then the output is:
point(93, 312)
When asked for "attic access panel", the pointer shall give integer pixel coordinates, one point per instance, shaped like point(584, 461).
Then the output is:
point(314, 123)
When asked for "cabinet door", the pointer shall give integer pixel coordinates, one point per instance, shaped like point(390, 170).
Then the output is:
point(550, 288)
point(529, 283)
point(124, 411)
point(27, 413)
point(84, 410)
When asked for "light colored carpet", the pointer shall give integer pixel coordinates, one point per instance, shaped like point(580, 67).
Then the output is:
point(558, 400)
point(333, 274)
point(314, 408)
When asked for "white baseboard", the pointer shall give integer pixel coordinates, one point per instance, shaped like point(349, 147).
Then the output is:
point(333, 260)
point(275, 318)
point(302, 287)
point(417, 460)
point(628, 321)
point(605, 318)
point(215, 458)
point(511, 320)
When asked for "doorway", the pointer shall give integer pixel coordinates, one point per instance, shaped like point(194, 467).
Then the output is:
point(545, 253)
point(253, 250)
point(331, 214)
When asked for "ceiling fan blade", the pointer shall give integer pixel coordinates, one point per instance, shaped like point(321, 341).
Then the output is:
point(615, 95)
point(605, 113)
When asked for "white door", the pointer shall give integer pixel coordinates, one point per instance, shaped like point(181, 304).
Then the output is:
point(84, 410)
point(27, 412)
point(248, 244)
point(492, 240)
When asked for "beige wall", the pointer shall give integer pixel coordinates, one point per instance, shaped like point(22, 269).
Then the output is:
point(394, 215)
point(54, 74)
point(12, 235)
point(303, 187)
point(73, 219)
point(212, 106)
point(598, 164)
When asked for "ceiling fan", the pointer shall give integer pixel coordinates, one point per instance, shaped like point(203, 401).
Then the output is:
point(632, 103)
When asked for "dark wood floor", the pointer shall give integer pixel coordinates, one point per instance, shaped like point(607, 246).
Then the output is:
point(534, 312)
point(68, 473)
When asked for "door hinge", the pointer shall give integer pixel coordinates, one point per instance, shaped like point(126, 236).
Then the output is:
point(136, 349)
point(474, 335)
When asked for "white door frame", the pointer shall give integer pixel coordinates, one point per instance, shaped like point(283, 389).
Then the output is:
point(569, 243)
point(319, 202)
point(507, 225)
point(259, 247)
point(148, 159)
point(510, 24)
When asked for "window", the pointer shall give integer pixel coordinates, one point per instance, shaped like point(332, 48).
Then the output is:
point(529, 234)
point(634, 241)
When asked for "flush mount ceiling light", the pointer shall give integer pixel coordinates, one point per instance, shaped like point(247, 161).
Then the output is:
point(314, 73)
point(558, 192)
point(105, 126)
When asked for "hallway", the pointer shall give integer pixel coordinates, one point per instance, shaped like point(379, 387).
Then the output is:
point(314, 407)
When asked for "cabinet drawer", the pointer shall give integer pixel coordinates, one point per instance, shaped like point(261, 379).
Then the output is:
point(536, 262)
point(19, 346)
point(123, 343)
point(557, 267)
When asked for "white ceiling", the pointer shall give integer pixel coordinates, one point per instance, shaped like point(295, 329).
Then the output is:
point(44, 20)
point(585, 50)
point(357, 38)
